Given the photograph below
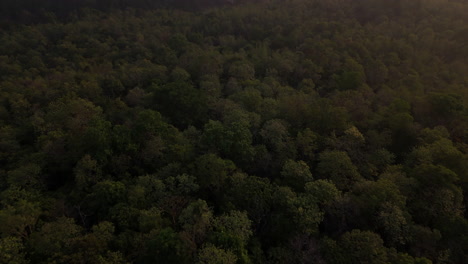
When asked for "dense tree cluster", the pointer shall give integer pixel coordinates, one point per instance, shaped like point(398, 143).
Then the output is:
point(318, 131)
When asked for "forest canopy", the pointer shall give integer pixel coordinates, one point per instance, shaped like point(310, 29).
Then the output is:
point(300, 131)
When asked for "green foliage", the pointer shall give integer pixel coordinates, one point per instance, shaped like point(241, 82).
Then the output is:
point(195, 220)
point(234, 140)
point(338, 167)
point(252, 194)
point(176, 99)
point(348, 80)
point(212, 171)
point(394, 224)
point(12, 251)
point(232, 228)
point(443, 200)
point(233, 231)
point(19, 213)
point(306, 214)
point(446, 105)
point(323, 191)
point(307, 144)
point(296, 174)
point(27, 176)
point(55, 239)
point(360, 247)
point(213, 255)
point(255, 131)
point(150, 219)
point(165, 246)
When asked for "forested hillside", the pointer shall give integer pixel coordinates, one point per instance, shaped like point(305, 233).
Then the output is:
point(300, 131)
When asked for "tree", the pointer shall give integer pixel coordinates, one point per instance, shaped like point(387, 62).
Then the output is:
point(71, 127)
point(307, 145)
point(361, 247)
point(442, 152)
point(212, 255)
point(175, 194)
point(104, 195)
point(370, 199)
point(9, 144)
point(196, 220)
point(124, 216)
point(296, 174)
point(55, 239)
point(165, 246)
point(242, 71)
point(12, 251)
point(210, 85)
point(395, 227)
point(445, 106)
point(275, 134)
point(233, 140)
point(249, 98)
point(87, 173)
point(324, 191)
point(299, 249)
point(174, 100)
point(255, 132)
point(212, 172)
point(27, 176)
point(149, 123)
point(276, 137)
point(306, 214)
point(337, 166)
point(436, 198)
point(19, 213)
point(233, 231)
point(348, 80)
point(146, 191)
point(150, 219)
